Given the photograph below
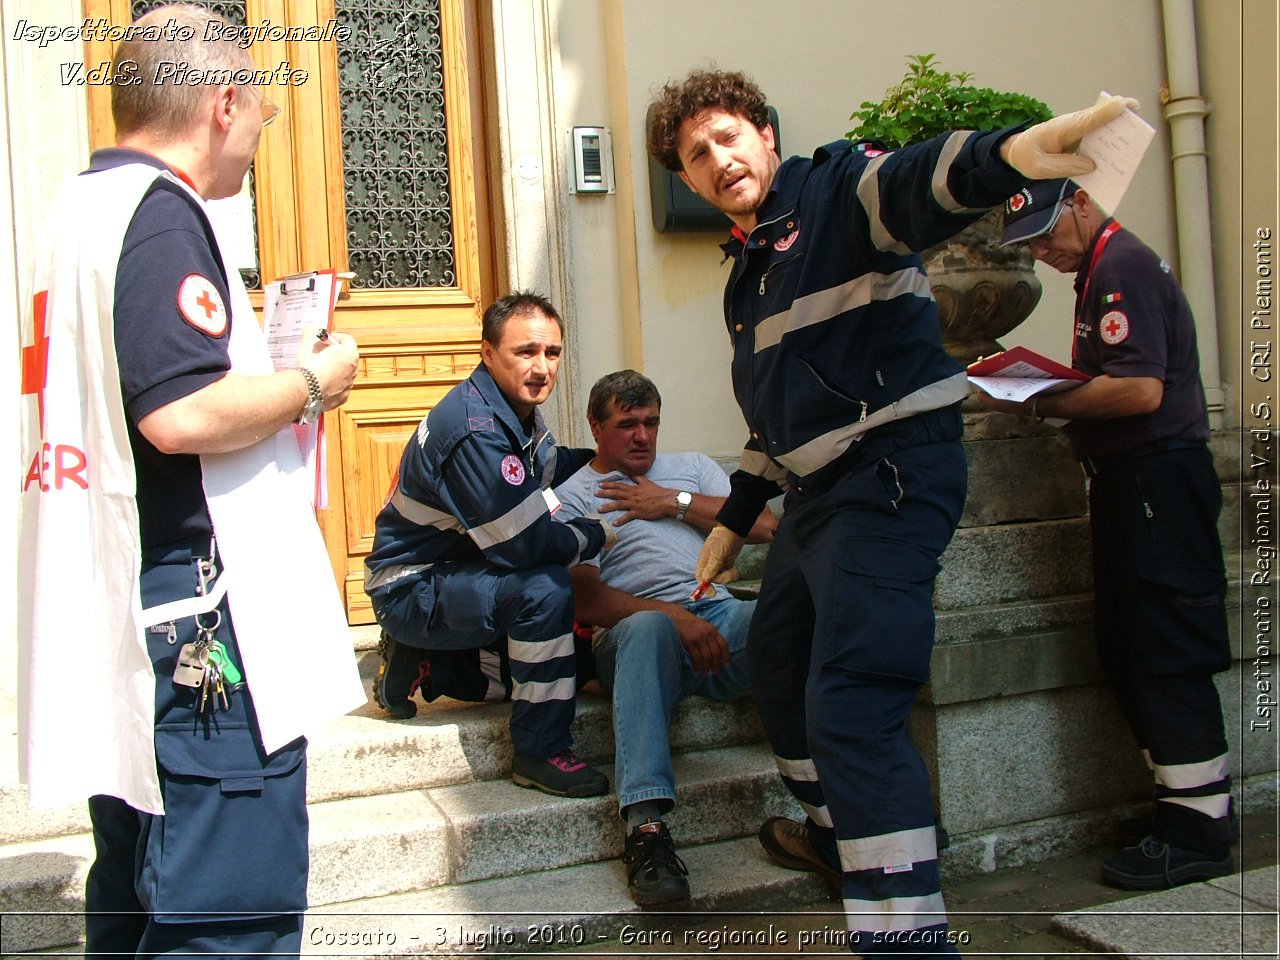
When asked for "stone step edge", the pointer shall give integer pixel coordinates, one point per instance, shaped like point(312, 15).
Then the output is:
point(460, 816)
point(726, 877)
point(53, 871)
point(461, 743)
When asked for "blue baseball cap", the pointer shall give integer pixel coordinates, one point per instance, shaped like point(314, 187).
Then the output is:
point(1034, 209)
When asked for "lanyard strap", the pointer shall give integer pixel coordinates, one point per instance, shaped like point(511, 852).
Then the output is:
point(1110, 229)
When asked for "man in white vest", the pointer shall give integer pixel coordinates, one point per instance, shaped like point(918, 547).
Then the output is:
point(161, 501)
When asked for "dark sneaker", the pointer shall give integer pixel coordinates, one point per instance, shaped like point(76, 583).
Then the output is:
point(1155, 865)
point(399, 675)
point(563, 775)
point(787, 843)
point(656, 876)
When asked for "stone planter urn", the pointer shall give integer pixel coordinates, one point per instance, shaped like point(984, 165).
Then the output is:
point(983, 290)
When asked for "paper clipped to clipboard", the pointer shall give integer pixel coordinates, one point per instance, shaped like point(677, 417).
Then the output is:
point(293, 308)
point(1116, 150)
point(1019, 374)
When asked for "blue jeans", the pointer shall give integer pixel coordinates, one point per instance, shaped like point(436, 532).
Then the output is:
point(646, 669)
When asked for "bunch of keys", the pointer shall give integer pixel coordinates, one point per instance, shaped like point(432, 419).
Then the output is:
point(204, 665)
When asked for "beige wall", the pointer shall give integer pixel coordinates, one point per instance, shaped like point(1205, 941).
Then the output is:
point(653, 301)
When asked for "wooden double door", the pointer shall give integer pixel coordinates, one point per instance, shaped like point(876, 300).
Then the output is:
point(375, 166)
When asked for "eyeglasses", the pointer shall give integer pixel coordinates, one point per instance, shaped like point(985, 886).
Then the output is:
point(270, 111)
point(1042, 240)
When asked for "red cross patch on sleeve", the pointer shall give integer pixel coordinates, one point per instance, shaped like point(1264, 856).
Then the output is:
point(1114, 327)
point(201, 305)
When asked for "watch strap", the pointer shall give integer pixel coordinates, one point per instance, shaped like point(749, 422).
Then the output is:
point(315, 396)
point(684, 500)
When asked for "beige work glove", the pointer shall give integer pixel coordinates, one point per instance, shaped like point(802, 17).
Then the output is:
point(610, 532)
point(719, 551)
point(1045, 151)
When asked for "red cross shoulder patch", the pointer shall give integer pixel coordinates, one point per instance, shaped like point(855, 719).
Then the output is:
point(512, 470)
point(201, 305)
point(1114, 327)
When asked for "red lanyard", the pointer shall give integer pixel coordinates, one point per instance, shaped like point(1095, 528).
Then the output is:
point(1110, 229)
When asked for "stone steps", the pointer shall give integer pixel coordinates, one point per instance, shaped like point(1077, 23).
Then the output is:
point(591, 907)
point(423, 808)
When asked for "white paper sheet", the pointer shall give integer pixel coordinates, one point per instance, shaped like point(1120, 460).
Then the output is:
point(1116, 149)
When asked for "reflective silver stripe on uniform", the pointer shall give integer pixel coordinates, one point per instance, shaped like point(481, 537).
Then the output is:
point(582, 545)
point(819, 815)
point(760, 465)
point(1216, 806)
point(512, 523)
point(535, 651)
point(797, 769)
point(1180, 776)
point(548, 469)
point(424, 515)
point(889, 849)
point(823, 449)
point(896, 913)
point(869, 196)
point(536, 692)
point(819, 307)
point(941, 192)
point(380, 578)
point(491, 669)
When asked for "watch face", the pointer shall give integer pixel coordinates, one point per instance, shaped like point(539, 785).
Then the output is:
point(311, 412)
point(684, 498)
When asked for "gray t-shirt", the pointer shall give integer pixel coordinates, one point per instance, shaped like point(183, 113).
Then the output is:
point(652, 558)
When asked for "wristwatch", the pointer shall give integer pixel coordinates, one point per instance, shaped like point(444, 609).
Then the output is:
point(315, 399)
point(684, 499)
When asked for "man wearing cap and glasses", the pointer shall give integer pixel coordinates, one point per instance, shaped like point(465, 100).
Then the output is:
point(148, 362)
point(1140, 429)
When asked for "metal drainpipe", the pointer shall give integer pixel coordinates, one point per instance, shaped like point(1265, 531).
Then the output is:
point(1185, 111)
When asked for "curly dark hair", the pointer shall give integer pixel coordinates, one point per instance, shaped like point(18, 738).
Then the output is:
point(728, 90)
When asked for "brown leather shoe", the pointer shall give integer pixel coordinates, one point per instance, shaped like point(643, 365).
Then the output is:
point(787, 844)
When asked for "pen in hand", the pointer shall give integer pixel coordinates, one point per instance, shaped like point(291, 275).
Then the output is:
point(703, 587)
point(322, 334)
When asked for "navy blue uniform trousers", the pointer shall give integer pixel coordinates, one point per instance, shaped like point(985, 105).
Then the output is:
point(838, 648)
point(1161, 626)
point(465, 606)
point(224, 871)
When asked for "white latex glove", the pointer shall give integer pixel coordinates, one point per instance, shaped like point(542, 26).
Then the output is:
point(719, 551)
point(1044, 151)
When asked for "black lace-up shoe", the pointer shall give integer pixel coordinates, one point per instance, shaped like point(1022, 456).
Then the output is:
point(1156, 865)
point(399, 675)
point(656, 876)
point(564, 775)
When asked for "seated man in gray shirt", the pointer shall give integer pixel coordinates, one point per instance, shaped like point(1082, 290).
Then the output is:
point(654, 644)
